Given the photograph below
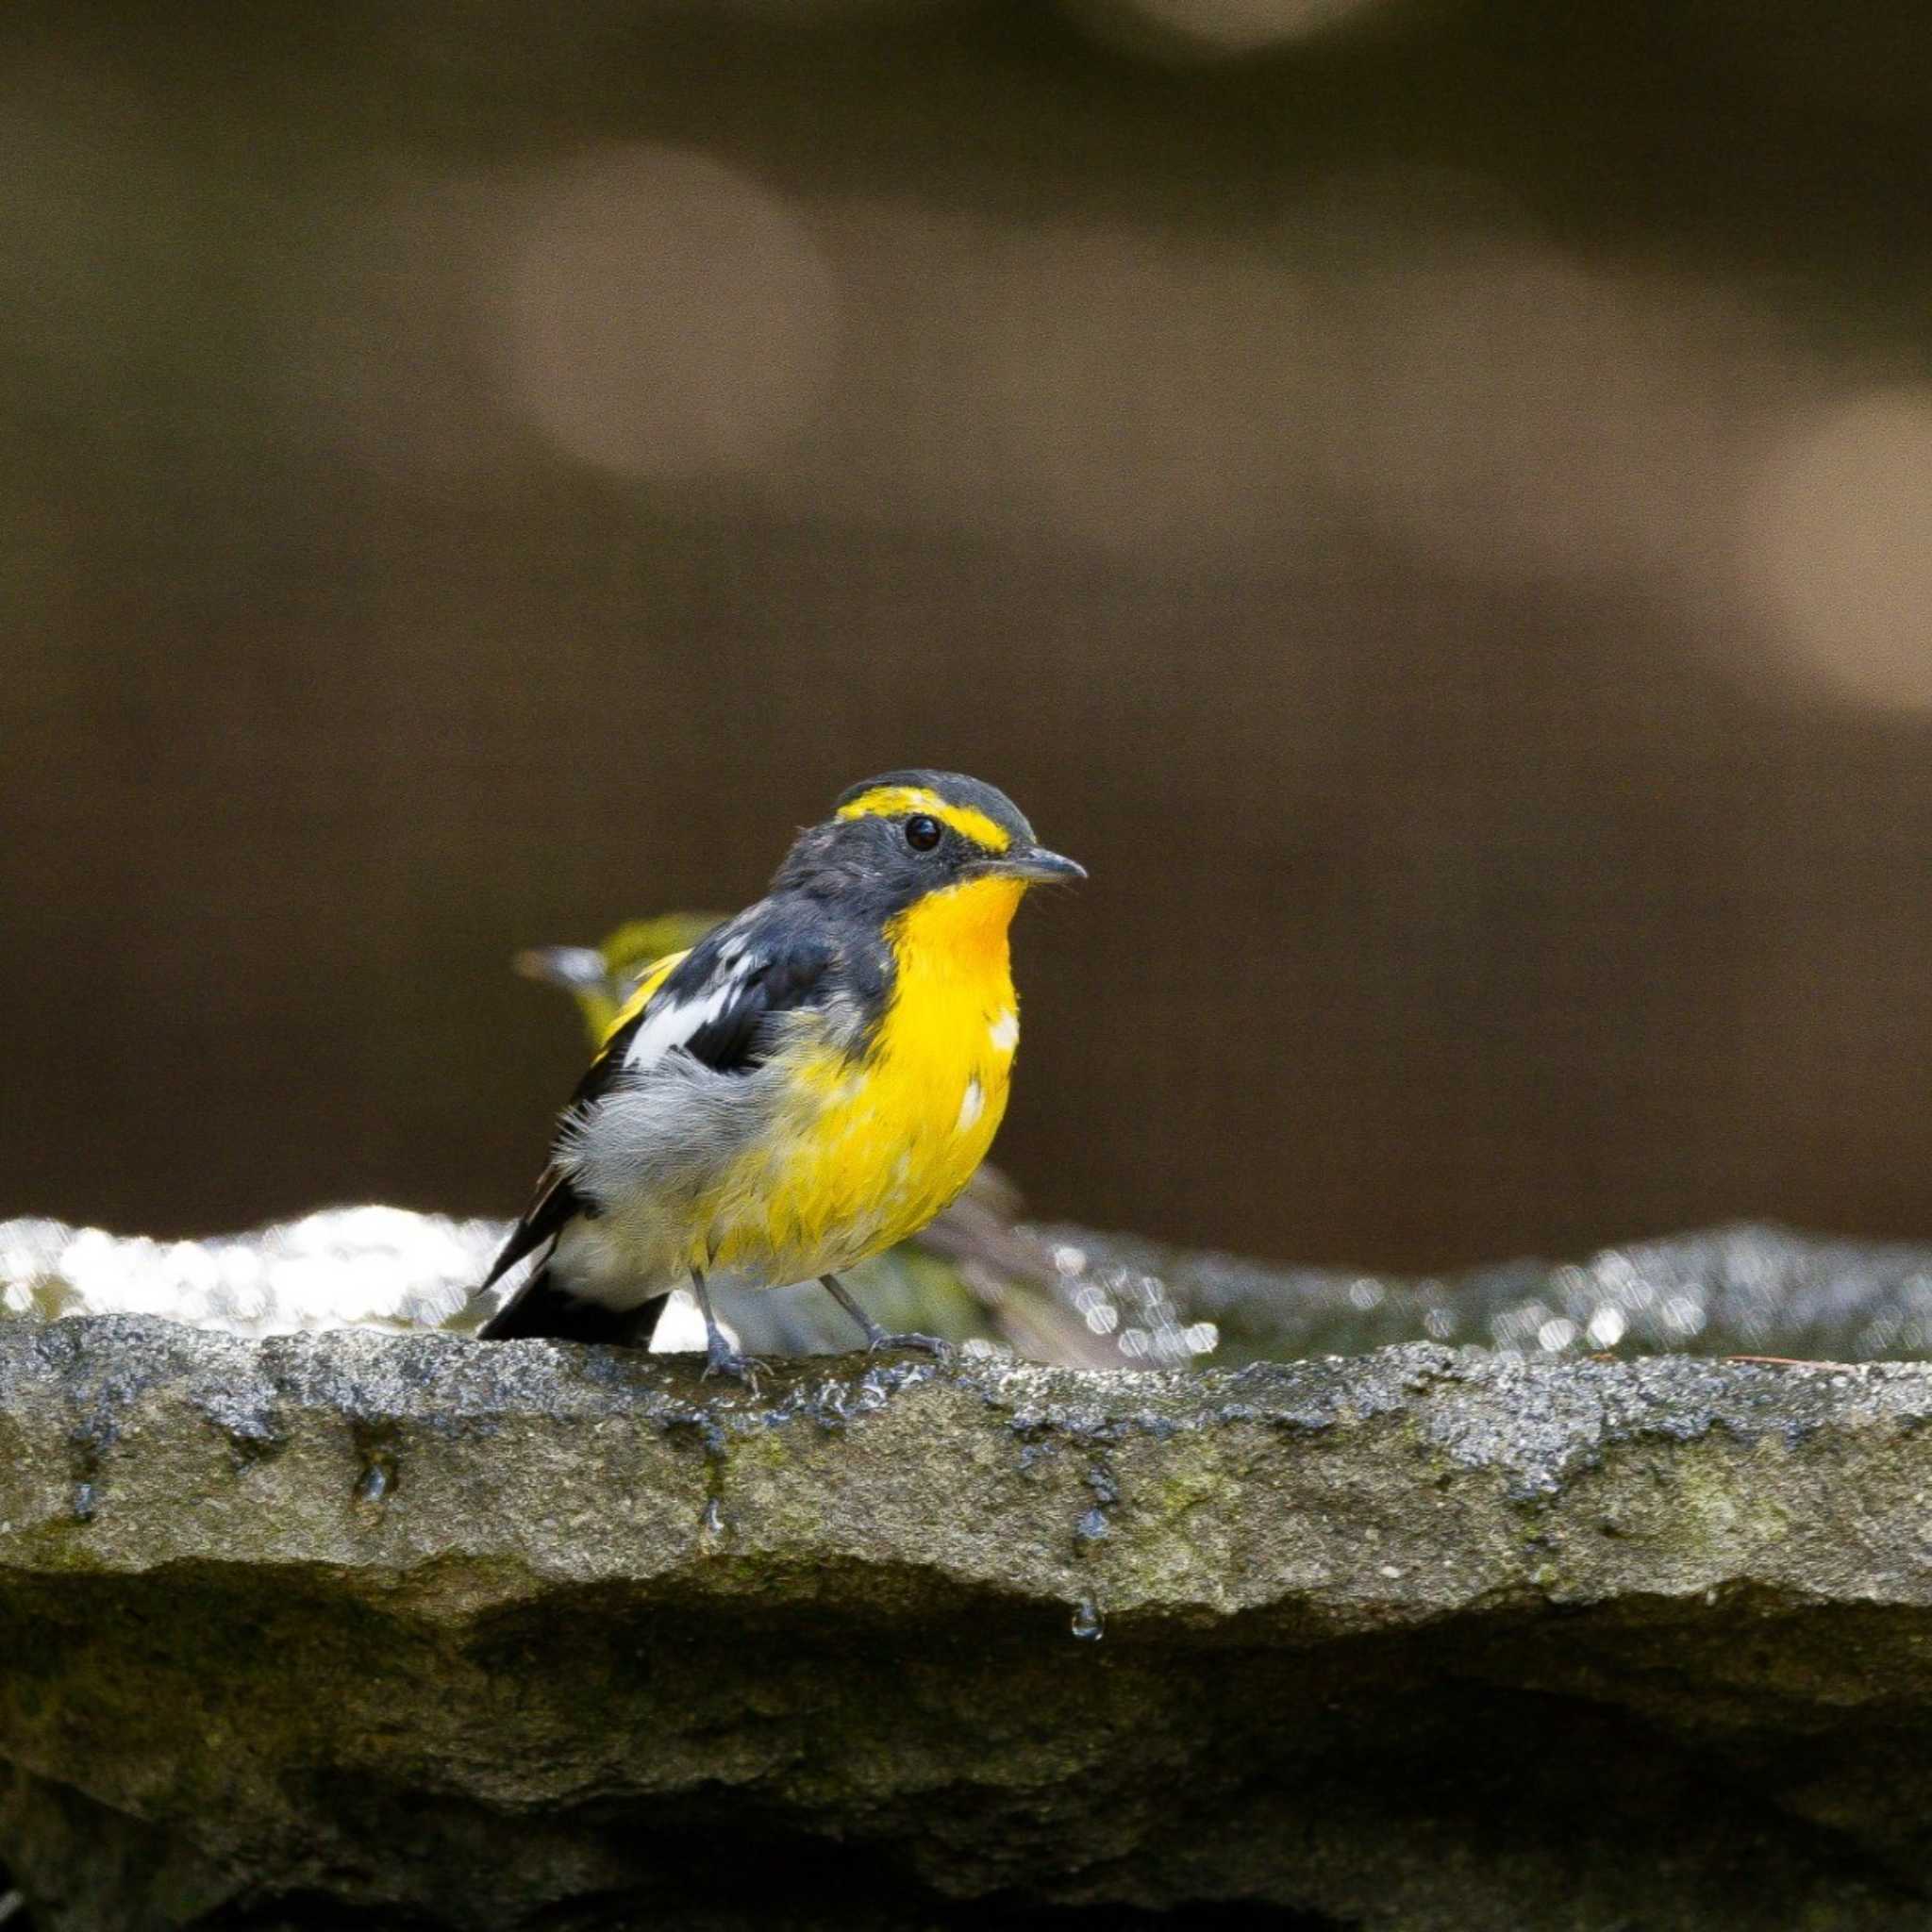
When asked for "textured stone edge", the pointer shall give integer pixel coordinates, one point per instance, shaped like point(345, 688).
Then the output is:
point(436, 1466)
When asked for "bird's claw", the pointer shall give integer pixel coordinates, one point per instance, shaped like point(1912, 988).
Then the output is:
point(740, 1368)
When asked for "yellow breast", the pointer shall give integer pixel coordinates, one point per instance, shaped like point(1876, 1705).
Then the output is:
point(876, 1148)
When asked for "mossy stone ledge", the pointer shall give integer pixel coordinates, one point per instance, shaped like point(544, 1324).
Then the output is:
point(375, 1630)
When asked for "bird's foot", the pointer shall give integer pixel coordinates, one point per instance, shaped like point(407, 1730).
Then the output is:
point(721, 1359)
point(922, 1344)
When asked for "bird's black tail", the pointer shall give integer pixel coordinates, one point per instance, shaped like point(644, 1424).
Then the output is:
point(540, 1307)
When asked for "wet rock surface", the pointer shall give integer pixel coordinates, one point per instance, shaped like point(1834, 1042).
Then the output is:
point(1073, 1296)
point(1746, 1288)
point(408, 1631)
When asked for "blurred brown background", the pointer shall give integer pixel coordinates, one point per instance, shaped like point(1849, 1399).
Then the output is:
point(1432, 502)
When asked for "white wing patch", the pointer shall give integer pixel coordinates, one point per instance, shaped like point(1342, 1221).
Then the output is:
point(1005, 1031)
point(667, 1026)
point(972, 1105)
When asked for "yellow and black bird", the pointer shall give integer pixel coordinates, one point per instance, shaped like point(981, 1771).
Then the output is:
point(812, 1082)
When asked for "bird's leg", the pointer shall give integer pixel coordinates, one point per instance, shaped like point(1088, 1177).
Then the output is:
point(877, 1336)
point(721, 1359)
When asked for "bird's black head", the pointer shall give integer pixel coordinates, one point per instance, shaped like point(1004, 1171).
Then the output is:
point(899, 837)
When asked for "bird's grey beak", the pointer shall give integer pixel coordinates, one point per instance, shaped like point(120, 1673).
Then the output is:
point(1040, 866)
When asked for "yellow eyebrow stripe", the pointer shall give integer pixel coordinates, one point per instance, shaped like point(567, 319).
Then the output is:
point(888, 801)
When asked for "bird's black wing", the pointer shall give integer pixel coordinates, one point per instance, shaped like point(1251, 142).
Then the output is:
point(715, 1005)
point(556, 1203)
point(777, 971)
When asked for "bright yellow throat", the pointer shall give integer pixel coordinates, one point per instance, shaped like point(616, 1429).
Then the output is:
point(876, 1150)
point(960, 932)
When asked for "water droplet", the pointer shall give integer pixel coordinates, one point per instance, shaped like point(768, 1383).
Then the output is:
point(1091, 1527)
point(86, 1499)
point(714, 1517)
point(1087, 1625)
point(1607, 1327)
point(376, 1484)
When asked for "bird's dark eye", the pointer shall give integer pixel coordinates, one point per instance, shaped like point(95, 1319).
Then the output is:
point(923, 833)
